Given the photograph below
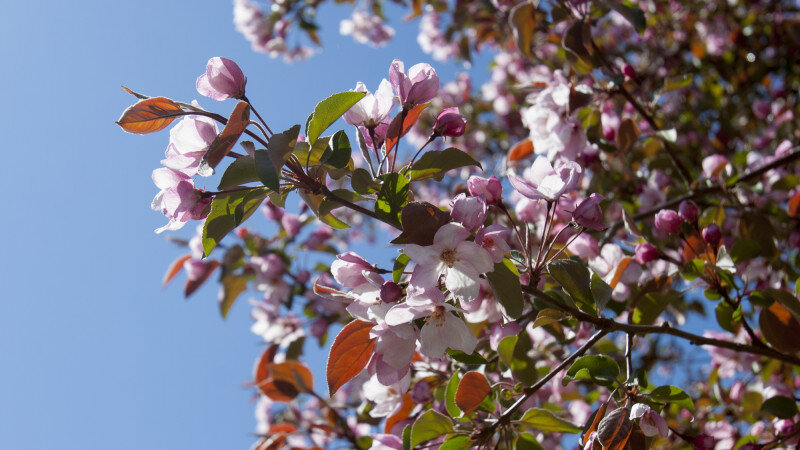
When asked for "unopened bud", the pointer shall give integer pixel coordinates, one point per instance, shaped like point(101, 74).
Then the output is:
point(712, 234)
point(390, 292)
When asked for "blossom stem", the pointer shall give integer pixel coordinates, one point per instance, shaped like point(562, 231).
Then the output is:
point(516, 229)
point(414, 159)
point(612, 325)
point(716, 189)
point(257, 114)
point(403, 115)
point(487, 433)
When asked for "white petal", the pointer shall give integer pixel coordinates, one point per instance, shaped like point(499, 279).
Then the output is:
point(475, 256)
point(449, 236)
point(425, 256)
point(458, 335)
point(430, 337)
point(462, 281)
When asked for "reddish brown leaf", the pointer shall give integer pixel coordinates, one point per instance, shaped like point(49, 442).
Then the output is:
point(350, 353)
point(174, 268)
point(224, 142)
point(393, 134)
point(696, 248)
point(261, 372)
point(615, 429)
point(420, 222)
point(472, 389)
point(193, 285)
point(780, 328)
point(591, 424)
point(794, 206)
point(520, 150)
point(627, 134)
point(287, 380)
point(401, 414)
point(147, 116)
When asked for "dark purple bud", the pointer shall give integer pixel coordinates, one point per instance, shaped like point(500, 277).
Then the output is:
point(450, 123)
point(668, 221)
point(712, 234)
point(688, 211)
point(390, 292)
point(646, 252)
point(628, 71)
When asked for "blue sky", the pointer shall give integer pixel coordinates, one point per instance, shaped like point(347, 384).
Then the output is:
point(95, 354)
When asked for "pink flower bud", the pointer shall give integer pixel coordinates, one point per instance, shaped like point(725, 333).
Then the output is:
point(272, 211)
point(646, 252)
point(390, 292)
point(348, 269)
point(588, 213)
point(712, 234)
point(668, 221)
point(628, 71)
point(469, 211)
point(223, 79)
point(688, 211)
point(736, 392)
point(450, 123)
point(489, 188)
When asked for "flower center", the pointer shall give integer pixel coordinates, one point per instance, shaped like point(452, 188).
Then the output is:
point(448, 256)
point(437, 316)
point(488, 242)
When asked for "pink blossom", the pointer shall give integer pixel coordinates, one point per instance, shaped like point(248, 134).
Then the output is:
point(588, 213)
point(460, 261)
point(291, 223)
point(188, 142)
point(469, 211)
point(373, 109)
point(714, 165)
point(386, 442)
point(450, 123)
point(489, 188)
point(178, 199)
point(541, 181)
point(650, 421)
point(645, 253)
point(223, 79)
point(366, 28)
point(494, 239)
point(419, 86)
point(668, 221)
point(317, 239)
point(421, 393)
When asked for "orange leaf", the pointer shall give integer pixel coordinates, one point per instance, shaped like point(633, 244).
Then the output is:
point(149, 115)
point(780, 328)
point(623, 264)
point(350, 353)
point(696, 248)
point(472, 389)
point(393, 134)
point(520, 150)
point(287, 380)
point(174, 268)
point(401, 414)
point(592, 423)
point(226, 139)
point(615, 429)
point(794, 205)
point(193, 285)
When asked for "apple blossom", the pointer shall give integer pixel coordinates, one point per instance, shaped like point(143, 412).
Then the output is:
point(688, 211)
point(542, 181)
point(469, 211)
point(373, 109)
point(178, 199)
point(588, 213)
point(645, 253)
point(188, 142)
point(494, 239)
point(489, 188)
point(650, 421)
point(451, 255)
point(223, 79)
point(419, 86)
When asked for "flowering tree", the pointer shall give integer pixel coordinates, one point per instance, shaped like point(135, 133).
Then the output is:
point(629, 166)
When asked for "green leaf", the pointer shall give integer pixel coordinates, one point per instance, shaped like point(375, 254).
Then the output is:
point(651, 306)
point(523, 367)
point(527, 441)
point(391, 198)
point(224, 217)
point(672, 394)
point(545, 420)
point(269, 162)
point(340, 149)
point(574, 277)
point(505, 349)
point(474, 358)
point(757, 227)
point(744, 249)
point(450, 396)
point(327, 111)
point(399, 266)
point(504, 281)
point(457, 442)
point(362, 182)
point(435, 163)
point(327, 205)
point(430, 425)
point(678, 82)
point(600, 369)
point(231, 287)
point(724, 314)
point(780, 407)
point(407, 437)
point(601, 292)
point(241, 171)
point(547, 316)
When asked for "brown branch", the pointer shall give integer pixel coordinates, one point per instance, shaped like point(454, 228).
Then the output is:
point(327, 192)
point(612, 325)
point(747, 176)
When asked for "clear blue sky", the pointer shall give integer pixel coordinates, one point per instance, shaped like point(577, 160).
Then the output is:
point(94, 353)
